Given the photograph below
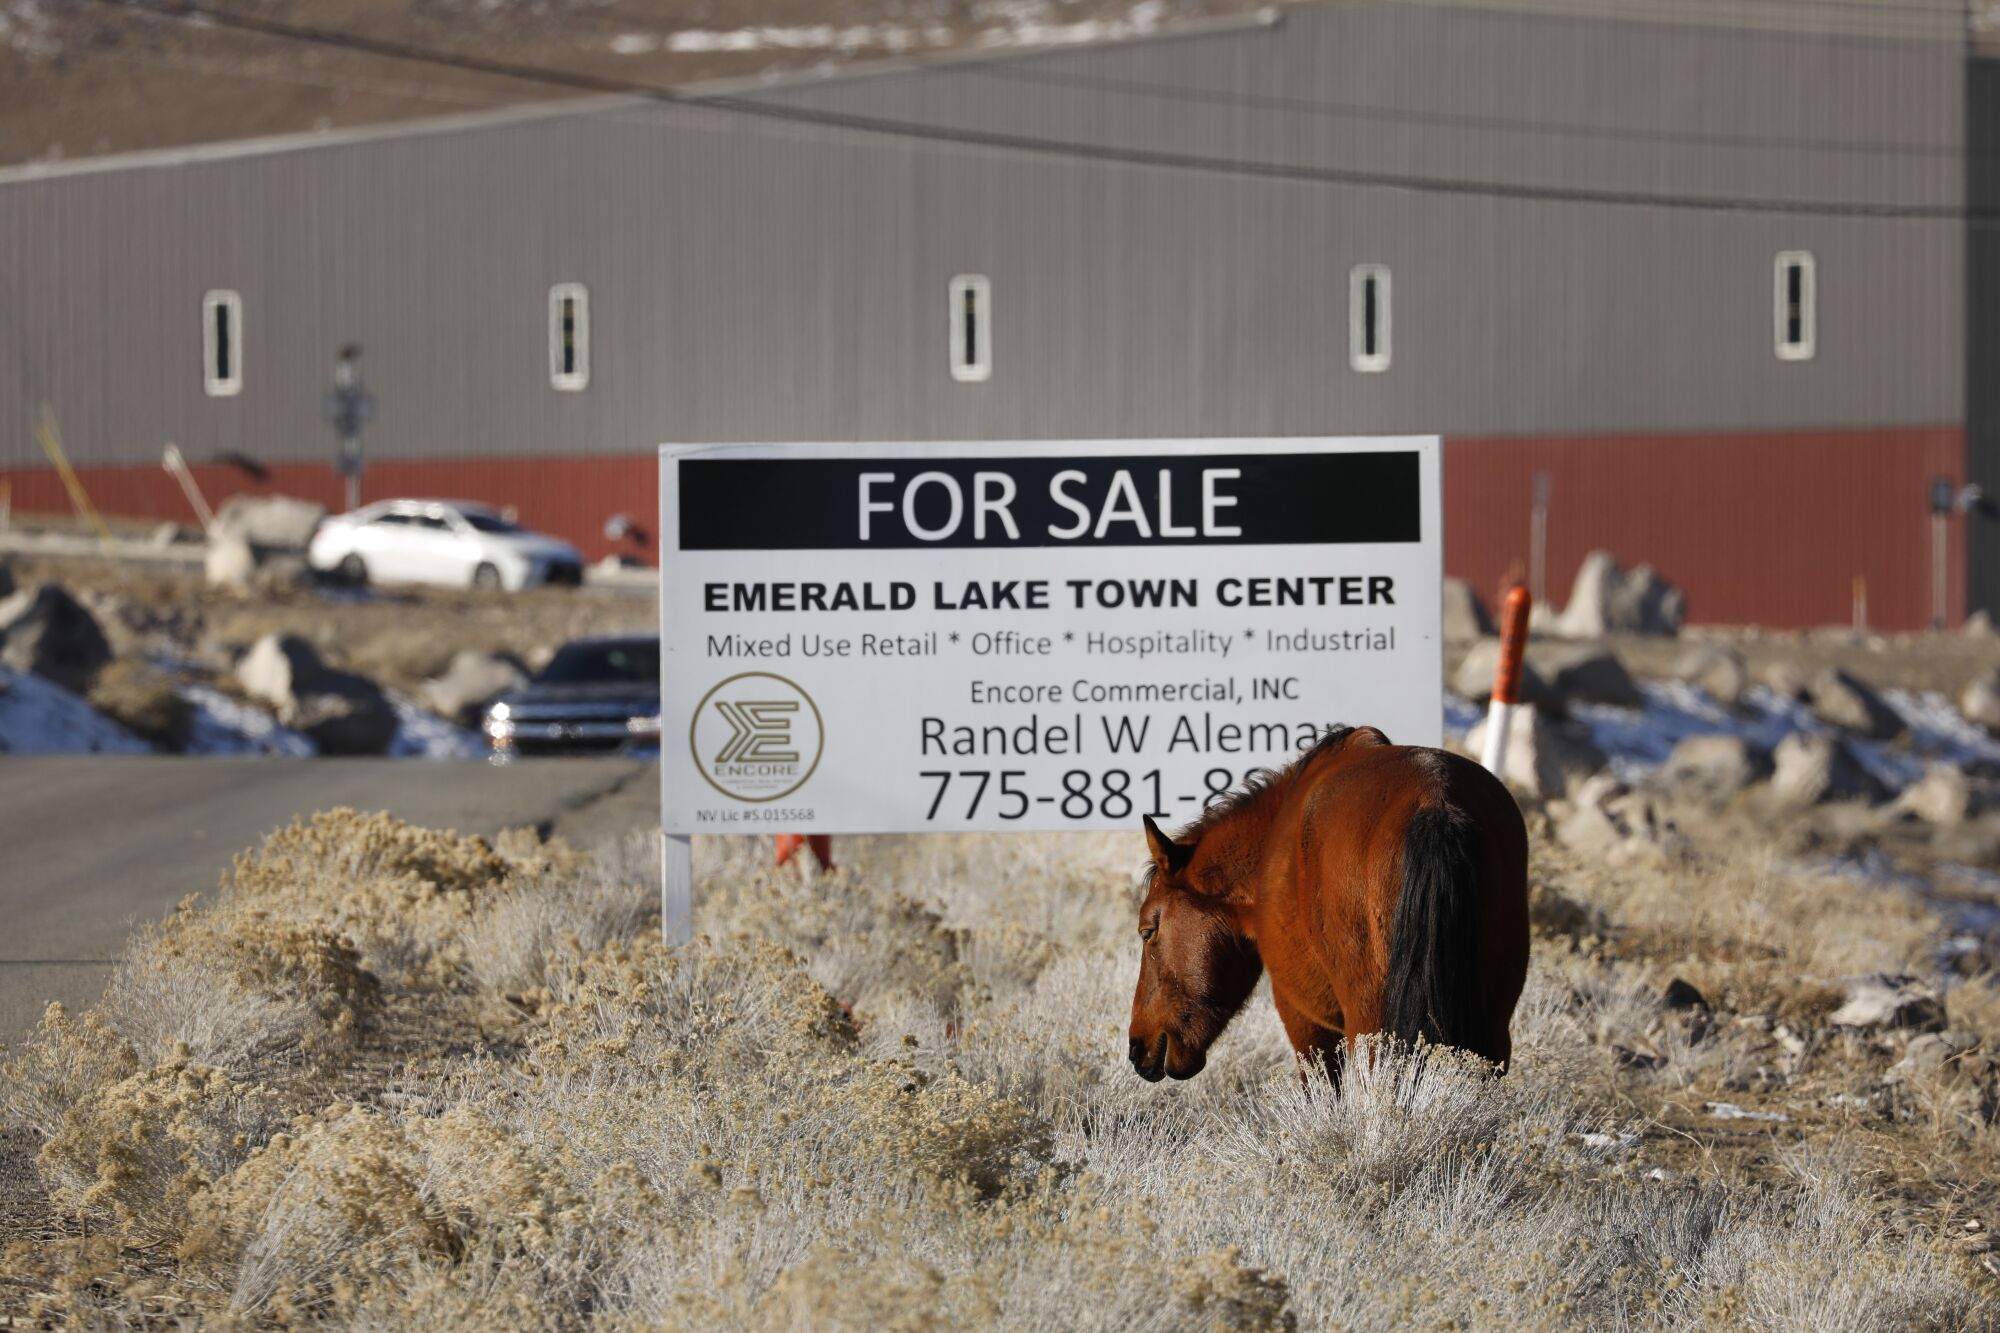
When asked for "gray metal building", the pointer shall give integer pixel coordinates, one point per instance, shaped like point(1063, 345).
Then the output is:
point(1706, 266)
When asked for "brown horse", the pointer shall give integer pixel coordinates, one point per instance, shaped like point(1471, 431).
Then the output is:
point(1384, 887)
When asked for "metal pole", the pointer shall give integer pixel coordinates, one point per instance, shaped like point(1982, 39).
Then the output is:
point(1538, 541)
point(676, 888)
point(1506, 681)
point(353, 449)
point(1937, 571)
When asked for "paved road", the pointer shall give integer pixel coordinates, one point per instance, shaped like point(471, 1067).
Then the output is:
point(92, 846)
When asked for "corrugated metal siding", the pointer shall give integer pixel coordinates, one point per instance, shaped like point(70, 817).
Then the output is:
point(752, 280)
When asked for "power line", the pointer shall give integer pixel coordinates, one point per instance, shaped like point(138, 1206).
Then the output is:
point(1015, 72)
point(1072, 150)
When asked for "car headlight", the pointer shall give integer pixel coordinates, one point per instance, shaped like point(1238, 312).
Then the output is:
point(644, 726)
point(499, 713)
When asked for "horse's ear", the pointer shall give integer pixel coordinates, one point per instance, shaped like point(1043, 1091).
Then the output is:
point(1168, 855)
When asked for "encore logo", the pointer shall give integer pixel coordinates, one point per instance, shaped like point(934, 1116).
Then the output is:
point(756, 737)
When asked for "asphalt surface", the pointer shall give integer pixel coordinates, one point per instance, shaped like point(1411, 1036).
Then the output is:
point(92, 846)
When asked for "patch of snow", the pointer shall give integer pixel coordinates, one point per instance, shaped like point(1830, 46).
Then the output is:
point(421, 734)
point(634, 44)
point(1731, 1111)
point(227, 726)
point(1622, 1141)
point(40, 717)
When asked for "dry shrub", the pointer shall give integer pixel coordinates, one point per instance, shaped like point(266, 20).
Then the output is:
point(142, 1151)
point(896, 1098)
point(144, 701)
point(66, 1060)
point(239, 989)
point(403, 894)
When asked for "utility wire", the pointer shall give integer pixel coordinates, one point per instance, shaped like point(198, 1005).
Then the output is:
point(1072, 150)
point(1016, 72)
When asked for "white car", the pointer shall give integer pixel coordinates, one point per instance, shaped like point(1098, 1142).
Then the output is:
point(439, 541)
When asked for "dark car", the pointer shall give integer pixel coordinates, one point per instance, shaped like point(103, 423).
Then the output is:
point(596, 696)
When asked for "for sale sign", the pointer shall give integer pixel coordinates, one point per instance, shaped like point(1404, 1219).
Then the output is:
point(911, 637)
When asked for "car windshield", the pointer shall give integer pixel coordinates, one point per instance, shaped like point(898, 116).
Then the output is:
point(634, 661)
point(485, 522)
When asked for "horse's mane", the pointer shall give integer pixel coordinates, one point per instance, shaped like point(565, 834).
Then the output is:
point(1260, 783)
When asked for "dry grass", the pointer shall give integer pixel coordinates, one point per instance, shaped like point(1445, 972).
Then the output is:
point(396, 1078)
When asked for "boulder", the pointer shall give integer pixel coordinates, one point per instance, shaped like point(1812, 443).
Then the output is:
point(1808, 770)
point(276, 522)
point(1843, 701)
point(1586, 674)
point(1681, 994)
point(1884, 1001)
point(1474, 677)
point(1981, 701)
point(343, 713)
point(46, 631)
point(1718, 671)
point(1942, 796)
point(1543, 758)
point(1714, 768)
point(1606, 599)
point(1785, 680)
point(1617, 826)
point(471, 682)
point(1931, 1052)
point(229, 563)
point(1465, 617)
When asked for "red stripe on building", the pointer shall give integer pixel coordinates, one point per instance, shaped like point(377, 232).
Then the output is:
point(1767, 528)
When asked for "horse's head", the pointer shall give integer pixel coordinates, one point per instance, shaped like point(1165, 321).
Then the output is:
point(1195, 968)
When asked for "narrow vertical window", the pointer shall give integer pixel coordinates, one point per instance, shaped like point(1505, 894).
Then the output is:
point(971, 328)
point(1368, 318)
point(222, 344)
point(569, 336)
point(1796, 315)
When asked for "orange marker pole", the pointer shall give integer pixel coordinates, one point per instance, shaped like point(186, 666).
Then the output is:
point(787, 846)
point(1506, 679)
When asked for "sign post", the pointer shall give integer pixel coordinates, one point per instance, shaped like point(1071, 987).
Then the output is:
point(349, 406)
point(908, 638)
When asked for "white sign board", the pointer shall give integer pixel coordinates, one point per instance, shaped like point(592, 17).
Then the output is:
point(939, 637)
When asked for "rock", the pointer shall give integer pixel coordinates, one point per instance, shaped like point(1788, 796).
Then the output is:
point(280, 667)
point(1808, 770)
point(278, 522)
point(1608, 600)
point(1543, 759)
point(1981, 701)
point(1718, 671)
point(343, 713)
point(229, 563)
point(1474, 677)
point(1930, 1052)
point(1843, 701)
point(471, 682)
point(1586, 674)
point(1942, 796)
point(1465, 617)
point(1619, 826)
point(1884, 1001)
point(45, 631)
point(1682, 995)
point(1785, 680)
point(1714, 768)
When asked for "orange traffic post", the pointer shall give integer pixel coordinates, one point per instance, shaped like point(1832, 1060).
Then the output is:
point(821, 844)
point(1506, 679)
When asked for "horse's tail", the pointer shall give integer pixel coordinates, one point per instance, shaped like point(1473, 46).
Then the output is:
point(1430, 992)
